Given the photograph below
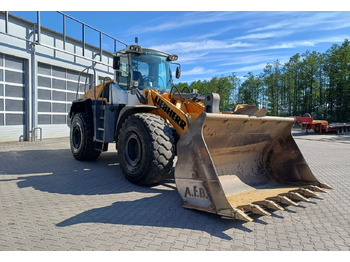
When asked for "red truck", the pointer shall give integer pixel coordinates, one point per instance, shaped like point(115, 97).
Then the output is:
point(322, 126)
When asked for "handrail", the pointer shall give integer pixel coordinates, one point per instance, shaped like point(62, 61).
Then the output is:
point(93, 28)
point(83, 33)
point(87, 69)
point(39, 32)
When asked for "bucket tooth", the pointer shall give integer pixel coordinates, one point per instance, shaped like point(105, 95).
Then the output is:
point(235, 214)
point(255, 209)
point(296, 196)
point(316, 189)
point(306, 192)
point(269, 204)
point(326, 186)
point(242, 216)
point(284, 200)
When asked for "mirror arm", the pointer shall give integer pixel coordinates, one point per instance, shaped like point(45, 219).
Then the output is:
point(140, 97)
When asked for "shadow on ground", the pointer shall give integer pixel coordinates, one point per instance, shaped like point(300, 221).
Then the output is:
point(56, 171)
point(162, 210)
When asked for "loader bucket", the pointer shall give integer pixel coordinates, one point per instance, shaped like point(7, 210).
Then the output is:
point(234, 165)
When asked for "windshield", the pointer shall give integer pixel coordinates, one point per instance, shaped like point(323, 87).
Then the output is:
point(151, 70)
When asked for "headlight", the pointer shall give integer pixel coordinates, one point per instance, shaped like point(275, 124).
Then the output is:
point(134, 49)
point(172, 57)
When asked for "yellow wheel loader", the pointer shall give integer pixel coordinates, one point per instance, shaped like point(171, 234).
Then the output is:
point(233, 164)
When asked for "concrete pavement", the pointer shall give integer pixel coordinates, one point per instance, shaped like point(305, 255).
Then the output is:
point(50, 201)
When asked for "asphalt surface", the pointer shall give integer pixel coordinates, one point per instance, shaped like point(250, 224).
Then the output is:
point(50, 201)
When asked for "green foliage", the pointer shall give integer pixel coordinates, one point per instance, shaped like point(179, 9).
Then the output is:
point(250, 90)
point(315, 83)
point(224, 86)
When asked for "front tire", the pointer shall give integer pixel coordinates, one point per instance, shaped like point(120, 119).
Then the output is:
point(81, 138)
point(145, 149)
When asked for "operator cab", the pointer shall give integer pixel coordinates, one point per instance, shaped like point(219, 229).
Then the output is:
point(141, 68)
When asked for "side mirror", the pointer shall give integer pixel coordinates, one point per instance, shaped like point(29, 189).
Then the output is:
point(178, 72)
point(116, 62)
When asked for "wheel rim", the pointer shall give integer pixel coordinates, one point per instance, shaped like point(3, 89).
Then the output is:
point(132, 150)
point(76, 137)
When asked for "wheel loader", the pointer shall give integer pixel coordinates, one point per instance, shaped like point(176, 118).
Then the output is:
point(233, 164)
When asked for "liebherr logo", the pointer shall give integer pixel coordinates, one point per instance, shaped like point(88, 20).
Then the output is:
point(181, 123)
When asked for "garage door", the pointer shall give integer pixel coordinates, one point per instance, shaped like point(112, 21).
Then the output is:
point(57, 88)
point(12, 96)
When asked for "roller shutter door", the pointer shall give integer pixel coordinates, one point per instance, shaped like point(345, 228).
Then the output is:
point(57, 89)
point(12, 97)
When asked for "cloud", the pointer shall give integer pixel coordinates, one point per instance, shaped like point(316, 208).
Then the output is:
point(193, 57)
point(198, 71)
point(312, 42)
point(188, 19)
point(247, 45)
point(272, 34)
point(215, 33)
point(292, 44)
point(278, 25)
point(255, 58)
point(293, 22)
point(342, 24)
point(250, 68)
point(204, 45)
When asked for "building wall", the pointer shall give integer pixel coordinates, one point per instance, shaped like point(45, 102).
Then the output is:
point(38, 82)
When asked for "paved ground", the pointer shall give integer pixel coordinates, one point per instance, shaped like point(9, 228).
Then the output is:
point(49, 201)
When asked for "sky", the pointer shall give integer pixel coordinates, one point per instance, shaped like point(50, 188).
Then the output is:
point(212, 43)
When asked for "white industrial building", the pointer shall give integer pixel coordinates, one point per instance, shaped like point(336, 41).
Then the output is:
point(39, 72)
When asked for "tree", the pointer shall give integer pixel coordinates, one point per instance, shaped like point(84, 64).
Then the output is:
point(315, 83)
point(250, 90)
point(338, 93)
point(272, 81)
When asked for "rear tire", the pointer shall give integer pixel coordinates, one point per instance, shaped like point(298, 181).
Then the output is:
point(81, 138)
point(145, 149)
